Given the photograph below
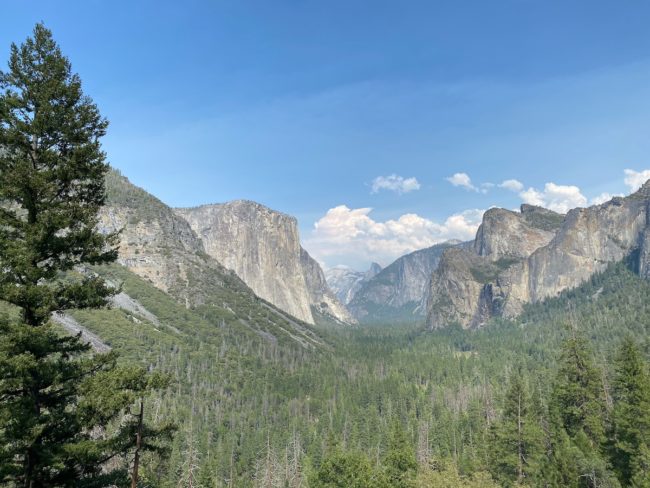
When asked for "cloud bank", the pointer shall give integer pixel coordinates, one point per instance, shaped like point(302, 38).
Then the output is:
point(560, 198)
point(352, 237)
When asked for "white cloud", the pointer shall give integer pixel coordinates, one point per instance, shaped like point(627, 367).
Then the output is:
point(512, 185)
point(395, 183)
point(560, 198)
point(353, 237)
point(635, 179)
point(463, 180)
point(485, 187)
point(603, 197)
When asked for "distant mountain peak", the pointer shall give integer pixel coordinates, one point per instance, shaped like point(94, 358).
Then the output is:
point(373, 270)
point(399, 291)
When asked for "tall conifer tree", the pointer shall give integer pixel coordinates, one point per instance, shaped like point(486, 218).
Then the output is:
point(56, 399)
point(517, 437)
point(400, 462)
point(578, 413)
point(578, 392)
point(631, 416)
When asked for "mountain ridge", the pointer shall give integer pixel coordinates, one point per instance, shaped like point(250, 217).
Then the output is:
point(399, 292)
point(526, 257)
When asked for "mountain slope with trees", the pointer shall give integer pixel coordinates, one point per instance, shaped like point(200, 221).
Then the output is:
point(260, 411)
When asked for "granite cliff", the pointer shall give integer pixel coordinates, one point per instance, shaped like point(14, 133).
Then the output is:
point(322, 298)
point(528, 256)
point(262, 247)
point(161, 247)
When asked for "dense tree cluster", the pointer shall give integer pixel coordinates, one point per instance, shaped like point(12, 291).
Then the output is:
point(577, 440)
point(530, 402)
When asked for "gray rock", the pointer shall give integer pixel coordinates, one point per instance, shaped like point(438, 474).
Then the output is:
point(504, 233)
point(536, 254)
point(321, 296)
point(399, 291)
point(73, 327)
point(262, 247)
point(345, 282)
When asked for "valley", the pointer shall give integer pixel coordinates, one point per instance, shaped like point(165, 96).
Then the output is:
point(334, 277)
point(261, 396)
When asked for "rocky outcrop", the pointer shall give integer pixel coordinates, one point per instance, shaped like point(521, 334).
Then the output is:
point(400, 291)
point(526, 257)
point(455, 290)
point(156, 244)
point(345, 282)
point(70, 325)
point(507, 234)
point(262, 247)
point(321, 296)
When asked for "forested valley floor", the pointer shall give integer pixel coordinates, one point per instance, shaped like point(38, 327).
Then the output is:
point(539, 401)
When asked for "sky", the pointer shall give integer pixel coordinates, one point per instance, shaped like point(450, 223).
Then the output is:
point(382, 126)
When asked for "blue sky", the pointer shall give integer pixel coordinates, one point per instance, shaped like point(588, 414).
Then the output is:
point(302, 105)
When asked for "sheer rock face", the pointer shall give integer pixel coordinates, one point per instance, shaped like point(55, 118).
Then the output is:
point(455, 291)
point(262, 247)
point(146, 246)
point(505, 233)
point(346, 282)
point(399, 291)
point(534, 255)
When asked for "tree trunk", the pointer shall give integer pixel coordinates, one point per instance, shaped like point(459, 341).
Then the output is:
point(520, 467)
point(138, 444)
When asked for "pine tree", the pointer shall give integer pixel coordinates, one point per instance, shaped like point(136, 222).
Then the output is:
point(58, 402)
point(578, 392)
point(341, 469)
point(631, 415)
point(641, 468)
point(517, 437)
point(578, 413)
point(400, 462)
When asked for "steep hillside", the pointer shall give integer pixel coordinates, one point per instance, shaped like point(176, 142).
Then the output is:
point(527, 257)
point(160, 247)
point(399, 292)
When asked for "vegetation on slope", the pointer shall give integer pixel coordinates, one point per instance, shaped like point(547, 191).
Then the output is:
point(255, 409)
